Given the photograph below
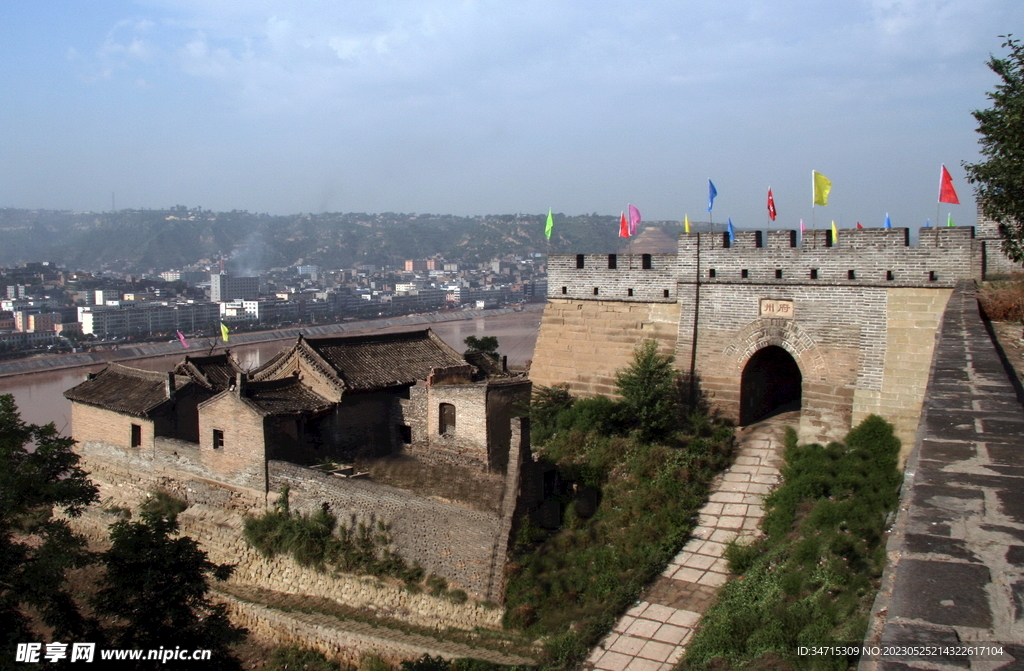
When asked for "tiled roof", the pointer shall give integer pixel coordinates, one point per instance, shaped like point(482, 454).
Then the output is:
point(385, 360)
point(214, 372)
point(123, 389)
point(285, 396)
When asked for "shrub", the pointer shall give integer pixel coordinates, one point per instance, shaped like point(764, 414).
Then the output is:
point(317, 541)
point(1004, 301)
point(162, 503)
point(813, 575)
point(650, 393)
point(294, 658)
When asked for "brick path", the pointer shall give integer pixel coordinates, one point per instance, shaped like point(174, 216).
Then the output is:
point(652, 635)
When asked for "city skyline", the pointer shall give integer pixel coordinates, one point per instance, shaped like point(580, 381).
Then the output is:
point(483, 108)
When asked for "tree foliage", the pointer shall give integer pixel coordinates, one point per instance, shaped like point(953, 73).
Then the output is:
point(484, 345)
point(649, 390)
point(39, 473)
point(156, 587)
point(999, 179)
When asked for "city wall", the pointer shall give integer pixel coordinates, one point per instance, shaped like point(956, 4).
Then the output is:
point(857, 314)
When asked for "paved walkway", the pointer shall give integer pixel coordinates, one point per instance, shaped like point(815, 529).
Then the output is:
point(956, 553)
point(652, 636)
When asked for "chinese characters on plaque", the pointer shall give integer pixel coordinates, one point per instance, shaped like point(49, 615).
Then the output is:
point(773, 308)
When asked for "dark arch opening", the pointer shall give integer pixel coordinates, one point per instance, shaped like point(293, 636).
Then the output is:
point(770, 385)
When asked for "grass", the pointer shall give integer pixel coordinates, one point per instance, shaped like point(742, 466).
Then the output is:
point(318, 541)
point(812, 577)
point(626, 507)
point(501, 641)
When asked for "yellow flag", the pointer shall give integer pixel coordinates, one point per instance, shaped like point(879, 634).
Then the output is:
point(223, 331)
point(686, 223)
point(822, 185)
point(835, 233)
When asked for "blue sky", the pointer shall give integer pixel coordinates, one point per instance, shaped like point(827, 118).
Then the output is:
point(476, 107)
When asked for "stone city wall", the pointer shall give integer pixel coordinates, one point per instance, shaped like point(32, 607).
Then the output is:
point(448, 539)
point(583, 343)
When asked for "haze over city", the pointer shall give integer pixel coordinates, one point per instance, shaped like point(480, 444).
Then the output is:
point(487, 107)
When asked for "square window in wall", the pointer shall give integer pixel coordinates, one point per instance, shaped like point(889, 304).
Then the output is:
point(629, 292)
point(778, 273)
point(136, 436)
point(405, 433)
point(814, 273)
point(218, 439)
point(744, 273)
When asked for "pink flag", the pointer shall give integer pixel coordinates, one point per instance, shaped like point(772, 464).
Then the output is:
point(623, 226)
point(947, 194)
point(182, 339)
point(802, 226)
point(634, 219)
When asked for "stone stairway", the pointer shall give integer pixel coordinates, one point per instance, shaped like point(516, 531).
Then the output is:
point(652, 636)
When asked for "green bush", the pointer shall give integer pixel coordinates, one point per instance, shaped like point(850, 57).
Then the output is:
point(650, 392)
point(318, 541)
point(162, 503)
point(569, 585)
point(812, 577)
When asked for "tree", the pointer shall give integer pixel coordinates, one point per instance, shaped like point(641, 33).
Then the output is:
point(485, 345)
point(38, 473)
point(650, 395)
point(156, 590)
point(999, 179)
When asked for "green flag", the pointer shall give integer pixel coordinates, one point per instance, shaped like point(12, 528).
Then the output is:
point(550, 225)
point(949, 220)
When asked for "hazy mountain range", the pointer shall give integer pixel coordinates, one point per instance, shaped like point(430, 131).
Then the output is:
point(144, 240)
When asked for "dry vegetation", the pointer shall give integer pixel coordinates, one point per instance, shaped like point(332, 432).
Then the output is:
point(1003, 301)
point(449, 483)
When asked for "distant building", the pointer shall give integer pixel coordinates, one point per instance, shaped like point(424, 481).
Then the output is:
point(413, 265)
point(224, 287)
point(104, 295)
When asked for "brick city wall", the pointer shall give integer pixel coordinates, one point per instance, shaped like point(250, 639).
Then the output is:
point(445, 538)
point(942, 256)
point(584, 342)
point(866, 307)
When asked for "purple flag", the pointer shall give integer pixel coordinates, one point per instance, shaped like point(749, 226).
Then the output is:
point(634, 219)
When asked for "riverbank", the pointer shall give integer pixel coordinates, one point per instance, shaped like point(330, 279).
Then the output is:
point(201, 345)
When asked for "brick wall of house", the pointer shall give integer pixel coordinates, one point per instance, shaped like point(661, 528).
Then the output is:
point(241, 459)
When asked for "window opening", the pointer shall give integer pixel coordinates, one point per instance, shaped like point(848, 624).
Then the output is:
point(136, 435)
point(218, 439)
point(446, 419)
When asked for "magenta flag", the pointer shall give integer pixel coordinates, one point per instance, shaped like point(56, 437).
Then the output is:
point(182, 339)
point(634, 219)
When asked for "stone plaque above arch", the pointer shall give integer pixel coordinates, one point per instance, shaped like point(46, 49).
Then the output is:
point(784, 333)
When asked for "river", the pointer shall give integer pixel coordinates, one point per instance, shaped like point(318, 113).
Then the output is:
point(40, 395)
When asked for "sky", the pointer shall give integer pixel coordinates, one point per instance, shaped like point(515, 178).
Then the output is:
point(494, 107)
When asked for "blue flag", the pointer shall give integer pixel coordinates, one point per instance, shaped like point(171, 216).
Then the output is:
point(712, 192)
point(732, 232)
point(927, 223)
point(888, 221)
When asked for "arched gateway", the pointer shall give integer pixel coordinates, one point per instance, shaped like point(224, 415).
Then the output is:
point(771, 383)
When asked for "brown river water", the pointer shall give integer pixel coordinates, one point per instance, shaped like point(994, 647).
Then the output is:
point(40, 396)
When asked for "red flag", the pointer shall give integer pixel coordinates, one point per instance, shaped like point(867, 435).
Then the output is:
point(858, 225)
point(947, 194)
point(634, 219)
point(623, 226)
point(771, 205)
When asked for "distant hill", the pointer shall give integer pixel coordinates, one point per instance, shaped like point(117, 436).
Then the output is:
point(144, 240)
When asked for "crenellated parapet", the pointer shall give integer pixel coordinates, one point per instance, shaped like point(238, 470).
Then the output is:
point(859, 257)
point(641, 278)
